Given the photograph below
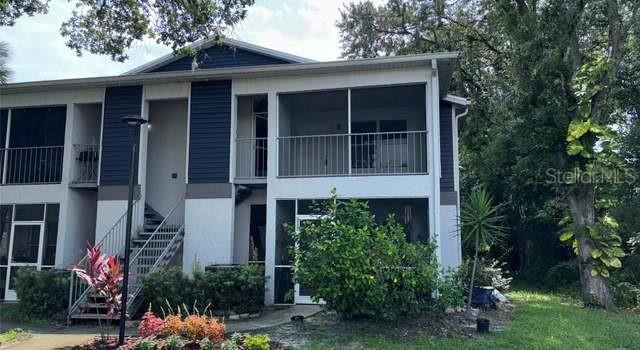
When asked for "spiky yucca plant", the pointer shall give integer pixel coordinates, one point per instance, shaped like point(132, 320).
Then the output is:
point(481, 227)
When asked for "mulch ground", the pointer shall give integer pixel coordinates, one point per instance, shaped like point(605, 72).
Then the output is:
point(328, 325)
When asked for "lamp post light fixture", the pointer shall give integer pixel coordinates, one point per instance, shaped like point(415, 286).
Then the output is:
point(134, 123)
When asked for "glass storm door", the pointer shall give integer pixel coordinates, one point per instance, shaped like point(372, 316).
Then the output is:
point(303, 293)
point(25, 247)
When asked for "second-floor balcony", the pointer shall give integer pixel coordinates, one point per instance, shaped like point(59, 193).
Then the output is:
point(379, 153)
point(85, 165)
point(251, 158)
point(31, 165)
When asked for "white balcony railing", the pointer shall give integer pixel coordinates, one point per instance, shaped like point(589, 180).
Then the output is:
point(86, 164)
point(382, 153)
point(251, 158)
point(31, 165)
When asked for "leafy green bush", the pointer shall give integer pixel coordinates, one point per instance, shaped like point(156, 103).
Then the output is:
point(626, 295)
point(630, 271)
point(146, 344)
point(174, 342)
point(562, 275)
point(450, 290)
point(206, 344)
point(237, 288)
point(488, 273)
point(164, 286)
point(42, 294)
point(360, 268)
point(256, 342)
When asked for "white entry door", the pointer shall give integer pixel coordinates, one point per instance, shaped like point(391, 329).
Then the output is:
point(25, 251)
point(303, 293)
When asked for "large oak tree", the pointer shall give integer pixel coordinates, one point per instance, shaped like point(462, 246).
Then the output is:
point(535, 71)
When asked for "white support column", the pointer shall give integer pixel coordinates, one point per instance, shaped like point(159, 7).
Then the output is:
point(6, 150)
point(349, 127)
point(434, 202)
point(67, 150)
point(272, 171)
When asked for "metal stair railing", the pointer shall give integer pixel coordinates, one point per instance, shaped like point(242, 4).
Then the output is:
point(112, 243)
point(155, 250)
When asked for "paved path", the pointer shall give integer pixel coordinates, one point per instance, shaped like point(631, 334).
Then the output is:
point(48, 338)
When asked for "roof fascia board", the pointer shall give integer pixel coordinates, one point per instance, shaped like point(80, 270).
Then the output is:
point(230, 73)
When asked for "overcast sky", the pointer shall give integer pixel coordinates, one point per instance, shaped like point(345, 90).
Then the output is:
point(301, 27)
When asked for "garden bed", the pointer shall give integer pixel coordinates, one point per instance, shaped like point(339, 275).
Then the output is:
point(328, 325)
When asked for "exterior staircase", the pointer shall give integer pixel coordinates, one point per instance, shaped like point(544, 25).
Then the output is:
point(155, 241)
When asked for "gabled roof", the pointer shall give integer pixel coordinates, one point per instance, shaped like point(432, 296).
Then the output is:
point(207, 43)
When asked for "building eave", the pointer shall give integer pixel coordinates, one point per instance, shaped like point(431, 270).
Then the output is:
point(394, 62)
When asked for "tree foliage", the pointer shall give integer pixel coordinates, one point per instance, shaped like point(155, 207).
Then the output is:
point(4, 70)
point(543, 78)
point(110, 27)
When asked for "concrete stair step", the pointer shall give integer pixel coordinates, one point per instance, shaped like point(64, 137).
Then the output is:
point(94, 316)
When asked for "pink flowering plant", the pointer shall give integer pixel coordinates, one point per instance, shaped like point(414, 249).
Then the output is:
point(151, 325)
point(102, 274)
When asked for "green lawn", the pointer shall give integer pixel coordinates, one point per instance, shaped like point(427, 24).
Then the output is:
point(13, 336)
point(540, 321)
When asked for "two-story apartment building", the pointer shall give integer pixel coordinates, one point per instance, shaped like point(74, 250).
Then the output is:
point(238, 141)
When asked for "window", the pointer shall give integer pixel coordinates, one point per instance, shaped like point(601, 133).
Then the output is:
point(28, 239)
point(50, 235)
point(29, 212)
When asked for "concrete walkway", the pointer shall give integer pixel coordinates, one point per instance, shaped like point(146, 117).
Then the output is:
point(48, 338)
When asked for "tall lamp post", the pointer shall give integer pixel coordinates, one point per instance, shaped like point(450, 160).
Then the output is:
point(134, 123)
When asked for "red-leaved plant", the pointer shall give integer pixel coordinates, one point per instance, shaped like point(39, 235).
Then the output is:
point(102, 274)
point(151, 325)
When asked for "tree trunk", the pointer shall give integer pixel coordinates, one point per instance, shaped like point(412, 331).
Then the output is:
point(473, 277)
point(595, 290)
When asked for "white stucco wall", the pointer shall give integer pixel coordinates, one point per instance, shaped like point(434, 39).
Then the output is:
point(80, 224)
point(450, 242)
point(242, 223)
point(209, 237)
point(107, 213)
point(166, 153)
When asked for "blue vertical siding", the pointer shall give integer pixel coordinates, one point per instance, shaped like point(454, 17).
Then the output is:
point(446, 148)
point(210, 132)
point(118, 102)
point(220, 56)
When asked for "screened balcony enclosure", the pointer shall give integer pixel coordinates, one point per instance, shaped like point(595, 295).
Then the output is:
point(372, 131)
point(32, 145)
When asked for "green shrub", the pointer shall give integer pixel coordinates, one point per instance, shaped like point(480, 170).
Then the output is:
point(626, 295)
point(630, 271)
point(562, 275)
point(488, 273)
point(450, 290)
point(206, 344)
point(237, 288)
point(146, 344)
point(42, 294)
point(164, 286)
point(256, 342)
point(360, 268)
point(228, 345)
point(174, 342)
